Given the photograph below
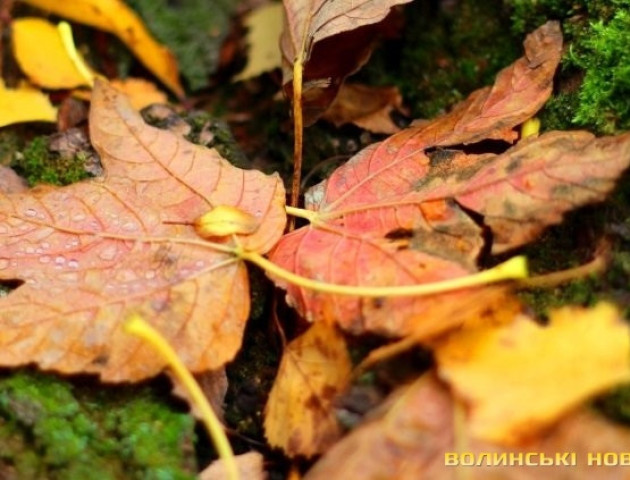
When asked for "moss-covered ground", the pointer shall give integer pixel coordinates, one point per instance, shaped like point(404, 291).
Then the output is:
point(58, 428)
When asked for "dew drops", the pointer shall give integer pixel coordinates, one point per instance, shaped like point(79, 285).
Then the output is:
point(44, 259)
point(4, 263)
point(126, 275)
point(30, 212)
point(159, 304)
point(129, 226)
point(29, 250)
point(200, 264)
point(60, 260)
point(74, 242)
point(77, 217)
point(108, 253)
point(45, 245)
point(73, 263)
point(69, 277)
point(149, 274)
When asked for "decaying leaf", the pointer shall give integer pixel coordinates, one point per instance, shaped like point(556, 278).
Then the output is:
point(519, 378)
point(39, 50)
point(331, 39)
point(24, 104)
point(141, 93)
point(409, 436)
point(115, 17)
point(92, 253)
point(213, 384)
point(396, 214)
point(250, 467)
point(264, 28)
point(367, 107)
point(11, 182)
point(299, 416)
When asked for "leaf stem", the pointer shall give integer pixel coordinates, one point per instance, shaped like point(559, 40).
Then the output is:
point(513, 268)
point(136, 325)
point(298, 131)
point(309, 215)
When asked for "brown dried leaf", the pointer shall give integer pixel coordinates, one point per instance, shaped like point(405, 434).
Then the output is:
point(92, 253)
point(409, 435)
point(334, 39)
point(299, 416)
point(250, 467)
point(11, 182)
point(367, 107)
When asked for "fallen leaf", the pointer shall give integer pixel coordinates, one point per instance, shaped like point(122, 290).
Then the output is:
point(332, 39)
point(141, 93)
point(115, 17)
point(11, 182)
point(92, 253)
point(367, 107)
point(250, 467)
point(213, 384)
point(409, 436)
point(39, 50)
point(299, 416)
point(542, 372)
point(397, 214)
point(264, 26)
point(24, 104)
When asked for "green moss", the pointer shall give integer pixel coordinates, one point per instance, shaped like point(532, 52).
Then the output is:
point(527, 15)
point(593, 85)
point(604, 54)
point(10, 143)
point(53, 429)
point(194, 30)
point(38, 165)
point(616, 404)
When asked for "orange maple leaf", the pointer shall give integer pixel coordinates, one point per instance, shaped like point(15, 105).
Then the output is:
point(92, 253)
point(399, 214)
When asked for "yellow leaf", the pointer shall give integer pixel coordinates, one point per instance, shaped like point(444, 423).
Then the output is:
point(263, 37)
point(117, 18)
point(520, 378)
point(39, 51)
point(24, 104)
point(315, 367)
point(141, 93)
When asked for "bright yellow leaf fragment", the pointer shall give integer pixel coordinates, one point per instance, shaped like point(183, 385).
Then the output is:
point(117, 18)
point(39, 50)
point(263, 37)
point(299, 416)
point(520, 378)
point(24, 104)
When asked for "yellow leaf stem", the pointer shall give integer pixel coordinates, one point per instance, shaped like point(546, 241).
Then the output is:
point(136, 325)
